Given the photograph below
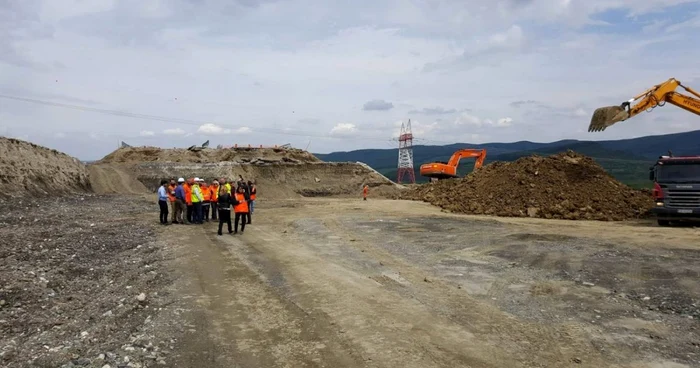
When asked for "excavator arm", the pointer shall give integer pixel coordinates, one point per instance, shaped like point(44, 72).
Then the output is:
point(656, 96)
point(439, 170)
point(479, 154)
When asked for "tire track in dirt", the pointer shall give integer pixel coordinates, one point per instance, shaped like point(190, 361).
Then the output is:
point(533, 345)
point(239, 318)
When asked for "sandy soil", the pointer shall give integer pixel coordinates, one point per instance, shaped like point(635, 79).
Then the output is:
point(381, 283)
point(27, 168)
point(399, 284)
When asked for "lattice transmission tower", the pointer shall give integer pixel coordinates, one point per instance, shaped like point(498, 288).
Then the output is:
point(406, 155)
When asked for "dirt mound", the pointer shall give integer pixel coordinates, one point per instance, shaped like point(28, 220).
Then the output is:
point(114, 179)
point(279, 180)
point(563, 186)
point(26, 168)
point(130, 155)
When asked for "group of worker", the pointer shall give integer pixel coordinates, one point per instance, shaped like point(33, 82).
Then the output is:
point(192, 201)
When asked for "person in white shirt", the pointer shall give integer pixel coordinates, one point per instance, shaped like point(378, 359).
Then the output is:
point(163, 202)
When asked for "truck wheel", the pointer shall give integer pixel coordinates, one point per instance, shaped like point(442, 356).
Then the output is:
point(663, 222)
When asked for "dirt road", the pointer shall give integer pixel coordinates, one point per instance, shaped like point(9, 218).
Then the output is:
point(346, 283)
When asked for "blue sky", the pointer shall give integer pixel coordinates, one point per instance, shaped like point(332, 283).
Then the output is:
point(339, 76)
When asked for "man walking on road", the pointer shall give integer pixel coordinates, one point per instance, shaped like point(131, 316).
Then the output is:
point(253, 191)
point(365, 191)
point(163, 202)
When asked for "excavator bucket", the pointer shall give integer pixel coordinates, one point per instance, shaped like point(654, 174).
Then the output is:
point(604, 117)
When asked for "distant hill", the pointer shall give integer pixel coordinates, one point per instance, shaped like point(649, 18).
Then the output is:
point(627, 159)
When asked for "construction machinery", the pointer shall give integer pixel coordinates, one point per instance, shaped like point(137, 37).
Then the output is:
point(653, 97)
point(446, 170)
point(676, 188)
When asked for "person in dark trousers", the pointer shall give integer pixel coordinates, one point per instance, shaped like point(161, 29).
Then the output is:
point(240, 207)
point(252, 192)
point(163, 202)
point(224, 208)
point(214, 199)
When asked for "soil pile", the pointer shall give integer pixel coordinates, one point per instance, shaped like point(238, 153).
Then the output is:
point(563, 186)
point(27, 168)
point(130, 155)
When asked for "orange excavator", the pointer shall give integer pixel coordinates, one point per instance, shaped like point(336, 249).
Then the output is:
point(656, 96)
point(446, 170)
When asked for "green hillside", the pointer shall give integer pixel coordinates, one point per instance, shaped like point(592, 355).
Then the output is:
point(628, 159)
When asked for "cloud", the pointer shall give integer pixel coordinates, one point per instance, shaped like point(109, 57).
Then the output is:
point(517, 104)
point(343, 129)
point(213, 129)
point(504, 122)
point(433, 111)
point(283, 68)
point(174, 131)
point(147, 133)
point(475, 121)
point(377, 105)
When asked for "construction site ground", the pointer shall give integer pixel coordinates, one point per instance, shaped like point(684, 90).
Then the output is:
point(325, 282)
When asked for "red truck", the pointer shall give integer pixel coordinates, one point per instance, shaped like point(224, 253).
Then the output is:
point(676, 189)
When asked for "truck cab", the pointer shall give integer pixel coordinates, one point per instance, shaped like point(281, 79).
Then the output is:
point(676, 189)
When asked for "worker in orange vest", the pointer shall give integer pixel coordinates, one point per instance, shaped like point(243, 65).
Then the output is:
point(240, 207)
point(172, 199)
point(214, 199)
point(365, 191)
point(188, 200)
point(206, 203)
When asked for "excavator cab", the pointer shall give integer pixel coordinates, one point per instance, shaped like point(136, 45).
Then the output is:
point(446, 170)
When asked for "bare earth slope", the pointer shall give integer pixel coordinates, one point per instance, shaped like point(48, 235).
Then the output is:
point(564, 186)
point(279, 173)
point(130, 155)
point(27, 168)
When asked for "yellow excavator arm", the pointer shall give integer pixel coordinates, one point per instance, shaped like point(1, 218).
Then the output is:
point(656, 96)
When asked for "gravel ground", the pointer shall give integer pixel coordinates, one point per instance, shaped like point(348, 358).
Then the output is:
point(81, 281)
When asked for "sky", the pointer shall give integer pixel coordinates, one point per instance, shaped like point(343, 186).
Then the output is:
point(82, 76)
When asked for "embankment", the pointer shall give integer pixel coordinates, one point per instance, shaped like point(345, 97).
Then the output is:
point(27, 168)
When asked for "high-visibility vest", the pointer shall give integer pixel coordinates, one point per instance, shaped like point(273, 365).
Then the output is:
point(188, 193)
point(242, 206)
point(214, 193)
point(195, 191)
point(171, 192)
point(206, 194)
point(228, 186)
point(253, 192)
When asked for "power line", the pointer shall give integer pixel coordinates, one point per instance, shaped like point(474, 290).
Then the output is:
point(186, 121)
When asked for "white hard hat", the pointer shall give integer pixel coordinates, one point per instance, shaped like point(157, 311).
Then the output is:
point(181, 180)
point(197, 179)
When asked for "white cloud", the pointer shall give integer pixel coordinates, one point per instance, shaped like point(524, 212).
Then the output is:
point(504, 122)
point(147, 133)
point(468, 119)
point(211, 129)
point(174, 131)
point(475, 121)
point(523, 67)
point(580, 112)
point(343, 129)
